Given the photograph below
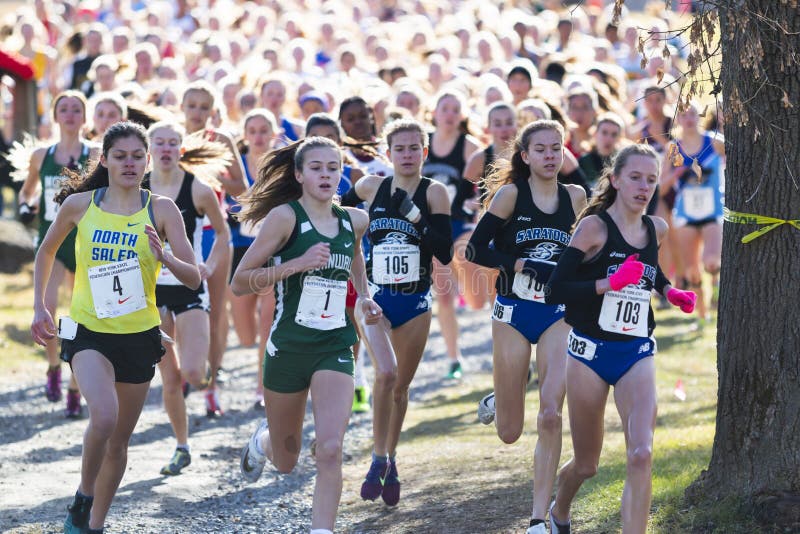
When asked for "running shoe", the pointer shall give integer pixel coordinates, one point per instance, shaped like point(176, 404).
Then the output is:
point(74, 409)
point(77, 521)
point(186, 387)
point(213, 408)
point(251, 462)
point(52, 388)
point(180, 459)
point(486, 409)
point(372, 486)
point(538, 528)
point(555, 527)
point(391, 486)
point(456, 371)
point(361, 400)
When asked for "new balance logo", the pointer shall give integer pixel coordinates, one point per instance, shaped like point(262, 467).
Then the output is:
point(644, 348)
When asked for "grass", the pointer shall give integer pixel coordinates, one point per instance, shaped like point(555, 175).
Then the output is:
point(489, 484)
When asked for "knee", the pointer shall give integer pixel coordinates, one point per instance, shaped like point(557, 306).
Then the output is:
point(400, 393)
point(102, 423)
point(195, 375)
point(585, 470)
point(549, 420)
point(329, 454)
point(641, 458)
point(117, 450)
point(386, 378)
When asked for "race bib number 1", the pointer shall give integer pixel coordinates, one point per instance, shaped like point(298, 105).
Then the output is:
point(322, 303)
point(625, 311)
point(117, 288)
point(395, 264)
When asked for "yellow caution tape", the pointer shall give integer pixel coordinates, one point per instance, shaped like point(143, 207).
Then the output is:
point(748, 218)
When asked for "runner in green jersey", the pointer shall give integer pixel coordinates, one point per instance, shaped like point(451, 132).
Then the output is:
point(310, 247)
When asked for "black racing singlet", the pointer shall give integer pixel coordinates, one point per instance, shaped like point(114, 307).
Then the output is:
point(489, 158)
point(168, 290)
point(397, 256)
point(586, 317)
point(449, 170)
point(533, 234)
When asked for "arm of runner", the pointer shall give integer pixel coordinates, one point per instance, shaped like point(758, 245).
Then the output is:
point(478, 250)
point(67, 217)
point(563, 288)
point(437, 233)
point(207, 202)
point(358, 272)
point(252, 277)
point(473, 171)
point(180, 261)
point(31, 188)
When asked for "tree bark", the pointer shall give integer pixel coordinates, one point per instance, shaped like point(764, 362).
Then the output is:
point(756, 452)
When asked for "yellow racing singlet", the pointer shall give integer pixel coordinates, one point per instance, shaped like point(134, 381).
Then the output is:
point(115, 275)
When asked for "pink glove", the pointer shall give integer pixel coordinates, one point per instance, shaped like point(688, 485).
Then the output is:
point(630, 272)
point(683, 299)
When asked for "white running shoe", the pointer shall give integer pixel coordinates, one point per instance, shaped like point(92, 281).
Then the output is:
point(251, 462)
point(537, 529)
point(486, 409)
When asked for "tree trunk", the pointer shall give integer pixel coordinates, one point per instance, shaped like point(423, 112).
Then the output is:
point(756, 454)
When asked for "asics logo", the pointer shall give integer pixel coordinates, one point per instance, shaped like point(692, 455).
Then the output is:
point(376, 210)
point(617, 255)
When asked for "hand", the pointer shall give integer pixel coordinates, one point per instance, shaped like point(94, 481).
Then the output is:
point(629, 273)
point(315, 257)
point(205, 271)
point(27, 213)
point(372, 312)
point(403, 203)
point(42, 326)
point(685, 300)
point(156, 246)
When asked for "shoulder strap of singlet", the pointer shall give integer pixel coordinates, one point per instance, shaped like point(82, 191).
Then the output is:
point(651, 230)
point(524, 202)
point(98, 195)
point(186, 187)
point(488, 159)
point(383, 191)
point(344, 219)
point(421, 194)
point(458, 150)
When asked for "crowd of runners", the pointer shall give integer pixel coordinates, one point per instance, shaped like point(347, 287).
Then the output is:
point(326, 177)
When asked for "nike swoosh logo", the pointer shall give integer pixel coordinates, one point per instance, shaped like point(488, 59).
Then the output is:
point(399, 279)
point(326, 316)
point(123, 301)
point(628, 329)
point(536, 297)
point(348, 245)
point(132, 224)
point(346, 360)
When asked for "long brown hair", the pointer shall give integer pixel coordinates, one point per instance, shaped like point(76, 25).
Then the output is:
point(605, 194)
point(96, 175)
point(276, 183)
point(506, 172)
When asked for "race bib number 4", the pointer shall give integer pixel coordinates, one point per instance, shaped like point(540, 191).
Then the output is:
point(117, 288)
point(698, 201)
point(528, 288)
point(322, 303)
point(395, 263)
point(625, 311)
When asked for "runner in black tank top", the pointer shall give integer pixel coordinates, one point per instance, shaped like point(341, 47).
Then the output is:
point(184, 311)
point(448, 170)
point(605, 277)
point(529, 215)
point(409, 226)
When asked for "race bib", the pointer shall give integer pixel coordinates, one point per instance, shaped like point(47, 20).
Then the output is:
point(165, 276)
point(117, 288)
point(625, 311)
point(395, 263)
point(502, 312)
point(322, 303)
point(581, 347)
point(528, 288)
point(52, 185)
point(698, 201)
